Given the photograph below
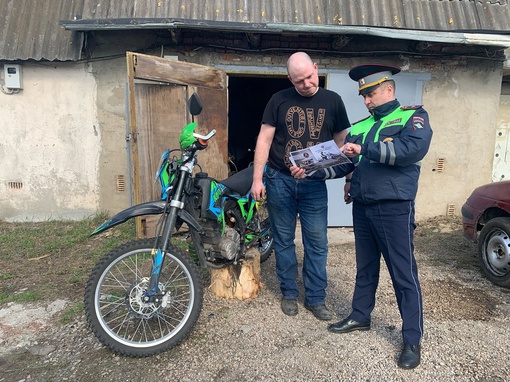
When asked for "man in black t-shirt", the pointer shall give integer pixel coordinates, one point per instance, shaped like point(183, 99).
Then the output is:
point(295, 118)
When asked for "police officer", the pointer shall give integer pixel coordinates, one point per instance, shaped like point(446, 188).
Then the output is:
point(387, 148)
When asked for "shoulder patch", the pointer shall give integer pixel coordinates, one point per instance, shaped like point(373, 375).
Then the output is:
point(418, 122)
point(361, 120)
point(413, 107)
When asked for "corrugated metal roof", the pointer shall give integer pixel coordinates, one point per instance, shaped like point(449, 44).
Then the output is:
point(458, 15)
point(29, 29)
point(443, 15)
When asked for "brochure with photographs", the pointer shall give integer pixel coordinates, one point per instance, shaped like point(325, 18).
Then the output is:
point(322, 155)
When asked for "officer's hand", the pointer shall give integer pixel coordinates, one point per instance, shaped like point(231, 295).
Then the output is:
point(347, 194)
point(351, 149)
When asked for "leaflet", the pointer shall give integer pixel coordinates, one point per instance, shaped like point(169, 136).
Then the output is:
point(322, 155)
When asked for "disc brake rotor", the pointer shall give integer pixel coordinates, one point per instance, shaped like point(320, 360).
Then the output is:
point(145, 309)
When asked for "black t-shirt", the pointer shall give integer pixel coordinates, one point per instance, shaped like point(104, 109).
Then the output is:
point(302, 122)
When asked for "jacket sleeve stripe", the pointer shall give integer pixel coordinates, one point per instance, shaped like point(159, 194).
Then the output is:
point(387, 153)
point(382, 158)
point(393, 156)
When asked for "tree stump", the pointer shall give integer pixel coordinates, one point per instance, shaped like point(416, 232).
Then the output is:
point(238, 281)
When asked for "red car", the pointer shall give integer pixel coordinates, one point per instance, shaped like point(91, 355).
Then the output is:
point(486, 221)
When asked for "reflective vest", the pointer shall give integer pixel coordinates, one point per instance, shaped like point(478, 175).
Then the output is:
point(397, 117)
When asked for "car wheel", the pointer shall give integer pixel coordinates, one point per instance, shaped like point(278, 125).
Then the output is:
point(494, 251)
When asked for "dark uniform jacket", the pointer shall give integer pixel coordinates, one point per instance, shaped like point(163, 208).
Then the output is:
point(393, 141)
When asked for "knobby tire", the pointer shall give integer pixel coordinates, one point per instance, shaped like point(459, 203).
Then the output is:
point(118, 316)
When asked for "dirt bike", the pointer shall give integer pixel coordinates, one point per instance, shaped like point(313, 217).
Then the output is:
point(145, 296)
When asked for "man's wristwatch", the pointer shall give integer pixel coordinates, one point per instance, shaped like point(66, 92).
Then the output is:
point(348, 180)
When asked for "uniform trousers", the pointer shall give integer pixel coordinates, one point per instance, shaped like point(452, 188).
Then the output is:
point(387, 228)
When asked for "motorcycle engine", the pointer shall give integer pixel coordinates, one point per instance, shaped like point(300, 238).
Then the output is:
point(229, 245)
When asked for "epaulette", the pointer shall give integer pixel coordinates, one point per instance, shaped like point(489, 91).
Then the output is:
point(413, 107)
point(361, 120)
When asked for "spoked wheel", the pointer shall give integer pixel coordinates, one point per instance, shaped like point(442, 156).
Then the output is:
point(494, 251)
point(266, 240)
point(120, 314)
point(266, 247)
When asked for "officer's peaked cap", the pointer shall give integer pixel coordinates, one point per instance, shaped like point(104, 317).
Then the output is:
point(370, 77)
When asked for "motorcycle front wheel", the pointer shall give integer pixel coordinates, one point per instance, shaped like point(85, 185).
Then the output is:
point(117, 312)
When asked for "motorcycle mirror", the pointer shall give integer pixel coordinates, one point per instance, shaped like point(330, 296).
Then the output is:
point(194, 104)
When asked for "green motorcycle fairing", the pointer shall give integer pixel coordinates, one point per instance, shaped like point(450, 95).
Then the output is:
point(186, 139)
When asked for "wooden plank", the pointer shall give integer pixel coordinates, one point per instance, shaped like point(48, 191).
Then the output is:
point(160, 115)
point(133, 133)
point(176, 72)
point(214, 116)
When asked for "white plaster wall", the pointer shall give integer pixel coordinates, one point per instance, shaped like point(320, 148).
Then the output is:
point(462, 101)
point(50, 144)
point(111, 77)
point(501, 169)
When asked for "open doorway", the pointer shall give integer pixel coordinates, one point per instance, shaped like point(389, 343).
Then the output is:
point(247, 98)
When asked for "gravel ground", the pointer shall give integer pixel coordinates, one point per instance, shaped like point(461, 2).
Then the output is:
point(465, 339)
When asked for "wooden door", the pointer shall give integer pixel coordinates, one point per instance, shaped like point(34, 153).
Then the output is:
point(158, 92)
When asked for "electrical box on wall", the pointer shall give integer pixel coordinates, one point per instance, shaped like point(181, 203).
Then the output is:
point(12, 76)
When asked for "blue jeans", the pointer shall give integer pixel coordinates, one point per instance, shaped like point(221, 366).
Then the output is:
point(286, 198)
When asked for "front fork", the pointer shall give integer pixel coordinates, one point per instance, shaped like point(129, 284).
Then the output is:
point(158, 253)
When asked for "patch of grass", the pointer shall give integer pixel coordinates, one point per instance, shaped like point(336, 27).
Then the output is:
point(182, 241)
point(71, 313)
point(53, 259)
point(6, 276)
point(33, 240)
point(26, 296)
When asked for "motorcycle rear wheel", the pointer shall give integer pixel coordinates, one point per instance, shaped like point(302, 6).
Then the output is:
point(265, 243)
point(265, 247)
point(120, 318)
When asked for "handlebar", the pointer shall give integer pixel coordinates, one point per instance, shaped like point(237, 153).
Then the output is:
point(201, 140)
point(205, 137)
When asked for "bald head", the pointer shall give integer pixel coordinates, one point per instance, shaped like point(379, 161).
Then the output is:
point(297, 60)
point(303, 73)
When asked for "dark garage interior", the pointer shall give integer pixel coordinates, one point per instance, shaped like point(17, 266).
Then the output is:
point(247, 98)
